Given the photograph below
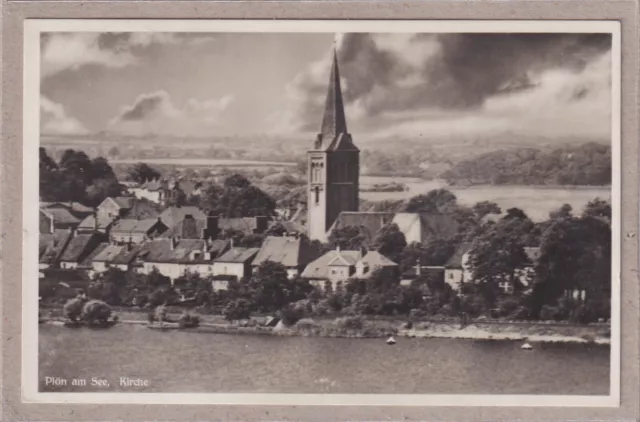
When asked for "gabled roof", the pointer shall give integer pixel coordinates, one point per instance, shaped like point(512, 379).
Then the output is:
point(455, 262)
point(187, 228)
point(132, 226)
point(117, 254)
point(51, 246)
point(61, 216)
point(172, 215)
point(159, 250)
point(238, 255)
point(319, 267)
point(246, 225)
point(125, 202)
point(368, 222)
point(288, 251)
point(218, 247)
point(79, 247)
point(374, 259)
point(89, 223)
point(142, 209)
point(75, 207)
point(86, 262)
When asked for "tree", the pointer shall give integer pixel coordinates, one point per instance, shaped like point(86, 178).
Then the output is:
point(498, 256)
point(575, 253)
point(436, 252)
point(347, 238)
point(483, 208)
point(437, 200)
point(142, 172)
point(271, 286)
point(563, 212)
point(102, 189)
point(389, 241)
point(77, 165)
point(598, 208)
point(237, 198)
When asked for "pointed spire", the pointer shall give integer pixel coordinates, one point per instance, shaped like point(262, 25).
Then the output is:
point(334, 121)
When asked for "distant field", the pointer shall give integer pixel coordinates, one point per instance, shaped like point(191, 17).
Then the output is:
point(197, 162)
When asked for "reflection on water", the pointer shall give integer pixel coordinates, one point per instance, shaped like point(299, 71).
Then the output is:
point(175, 361)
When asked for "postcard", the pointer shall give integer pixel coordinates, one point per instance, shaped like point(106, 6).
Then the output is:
point(410, 213)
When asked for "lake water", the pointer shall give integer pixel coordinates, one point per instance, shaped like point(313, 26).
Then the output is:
point(178, 361)
point(535, 201)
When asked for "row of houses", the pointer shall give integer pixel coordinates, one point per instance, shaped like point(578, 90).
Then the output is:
point(130, 234)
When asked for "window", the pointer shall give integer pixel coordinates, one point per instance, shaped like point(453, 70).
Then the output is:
point(316, 171)
point(316, 191)
point(450, 275)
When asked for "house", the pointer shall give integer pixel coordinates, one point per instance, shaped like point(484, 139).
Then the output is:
point(52, 219)
point(51, 247)
point(152, 190)
point(111, 255)
point(456, 269)
point(246, 225)
point(136, 231)
point(335, 265)
point(416, 227)
point(195, 226)
point(295, 253)
point(235, 262)
point(79, 248)
point(76, 208)
point(174, 214)
point(375, 261)
point(112, 209)
point(174, 257)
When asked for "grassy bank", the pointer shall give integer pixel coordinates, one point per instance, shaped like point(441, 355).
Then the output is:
point(360, 327)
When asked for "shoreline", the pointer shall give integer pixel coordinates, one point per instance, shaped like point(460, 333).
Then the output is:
point(531, 333)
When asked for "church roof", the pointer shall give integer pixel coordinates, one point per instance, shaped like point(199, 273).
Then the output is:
point(333, 132)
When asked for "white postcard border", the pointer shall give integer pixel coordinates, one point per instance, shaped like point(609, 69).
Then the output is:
point(31, 136)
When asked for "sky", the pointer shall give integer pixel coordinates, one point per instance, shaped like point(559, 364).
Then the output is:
point(551, 86)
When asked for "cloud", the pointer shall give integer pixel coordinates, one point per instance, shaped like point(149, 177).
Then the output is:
point(436, 79)
point(55, 121)
point(157, 113)
point(71, 51)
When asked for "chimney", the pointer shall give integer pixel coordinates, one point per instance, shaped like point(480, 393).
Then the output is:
point(173, 242)
point(95, 221)
point(212, 225)
point(418, 267)
point(338, 248)
point(261, 224)
point(129, 244)
point(231, 243)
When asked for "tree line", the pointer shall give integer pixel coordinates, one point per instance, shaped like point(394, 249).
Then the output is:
point(587, 164)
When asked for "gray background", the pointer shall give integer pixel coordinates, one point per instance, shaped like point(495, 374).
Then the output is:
point(11, 203)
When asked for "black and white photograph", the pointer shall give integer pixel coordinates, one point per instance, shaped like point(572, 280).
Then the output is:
point(405, 210)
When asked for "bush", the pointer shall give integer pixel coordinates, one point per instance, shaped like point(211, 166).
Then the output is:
point(96, 311)
point(73, 308)
point(237, 309)
point(290, 314)
point(350, 323)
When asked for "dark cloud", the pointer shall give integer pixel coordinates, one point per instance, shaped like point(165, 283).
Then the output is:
point(469, 68)
point(464, 70)
point(144, 107)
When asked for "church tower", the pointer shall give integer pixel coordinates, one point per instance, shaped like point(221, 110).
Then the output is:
point(333, 165)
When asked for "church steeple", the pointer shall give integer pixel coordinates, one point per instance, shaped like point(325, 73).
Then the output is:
point(333, 121)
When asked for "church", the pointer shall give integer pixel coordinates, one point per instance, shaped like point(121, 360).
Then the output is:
point(333, 165)
point(333, 169)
